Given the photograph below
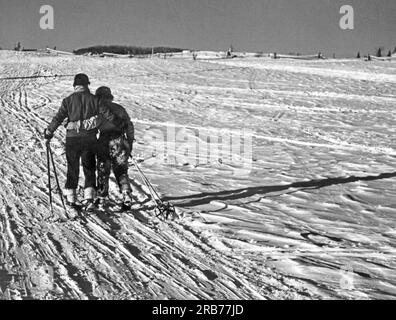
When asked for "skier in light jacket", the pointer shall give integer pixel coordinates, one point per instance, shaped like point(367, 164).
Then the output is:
point(80, 142)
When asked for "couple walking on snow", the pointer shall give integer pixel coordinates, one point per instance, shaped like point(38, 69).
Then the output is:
point(101, 134)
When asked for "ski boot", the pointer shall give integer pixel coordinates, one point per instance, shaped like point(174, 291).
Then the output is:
point(89, 202)
point(74, 208)
point(101, 202)
point(89, 205)
point(127, 200)
point(72, 204)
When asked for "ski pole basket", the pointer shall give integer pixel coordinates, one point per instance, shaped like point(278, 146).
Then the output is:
point(166, 210)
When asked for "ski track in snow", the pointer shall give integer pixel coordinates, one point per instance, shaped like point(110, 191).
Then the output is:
point(314, 218)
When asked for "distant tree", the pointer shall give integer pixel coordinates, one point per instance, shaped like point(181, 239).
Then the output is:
point(390, 53)
point(18, 47)
point(379, 52)
point(358, 55)
point(394, 50)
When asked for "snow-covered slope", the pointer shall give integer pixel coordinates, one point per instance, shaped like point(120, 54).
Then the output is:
point(313, 215)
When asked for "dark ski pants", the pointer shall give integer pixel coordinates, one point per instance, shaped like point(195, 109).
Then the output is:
point(84, 147)
point(113, 153)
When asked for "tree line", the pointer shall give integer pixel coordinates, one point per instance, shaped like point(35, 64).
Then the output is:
point(132, 50)
point(380, 53)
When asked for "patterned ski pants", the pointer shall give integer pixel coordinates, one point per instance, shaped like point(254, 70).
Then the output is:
point(113, 153)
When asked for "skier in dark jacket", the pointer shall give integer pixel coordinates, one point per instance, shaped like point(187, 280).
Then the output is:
point(80, 142)
point(115, 145)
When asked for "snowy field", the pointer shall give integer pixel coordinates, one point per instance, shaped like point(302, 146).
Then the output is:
point(310, 213)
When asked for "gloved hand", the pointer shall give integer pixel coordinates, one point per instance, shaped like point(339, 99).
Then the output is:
point(130, 145)
point(48, 135)
point(73, 125)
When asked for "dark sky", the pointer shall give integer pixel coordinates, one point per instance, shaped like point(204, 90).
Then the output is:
point(250, 25)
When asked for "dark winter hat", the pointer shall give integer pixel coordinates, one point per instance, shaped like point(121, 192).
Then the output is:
point(104, 93)
point(81, 79)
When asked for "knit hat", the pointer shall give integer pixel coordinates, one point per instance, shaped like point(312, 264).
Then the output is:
point(81, 79)
point(104, 93)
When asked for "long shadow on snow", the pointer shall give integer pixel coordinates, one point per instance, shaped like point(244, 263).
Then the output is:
point(205, 198)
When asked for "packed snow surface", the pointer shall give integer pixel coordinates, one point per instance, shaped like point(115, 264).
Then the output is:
point(309, 213)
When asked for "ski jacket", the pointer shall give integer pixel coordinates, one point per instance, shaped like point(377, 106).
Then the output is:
point(80, 106)
point(110, 127)
point(107, 126)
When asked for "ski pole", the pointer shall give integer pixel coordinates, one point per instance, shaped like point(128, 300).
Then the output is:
point(164, 209)
point(49, 177)
point(57, 179)
point(147, 180)
point(154, 194)
point(158, 203)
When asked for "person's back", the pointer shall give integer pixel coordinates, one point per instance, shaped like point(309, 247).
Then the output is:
point(115, 145)
point(108, 127)
point(119, 111)
point(79, 106)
